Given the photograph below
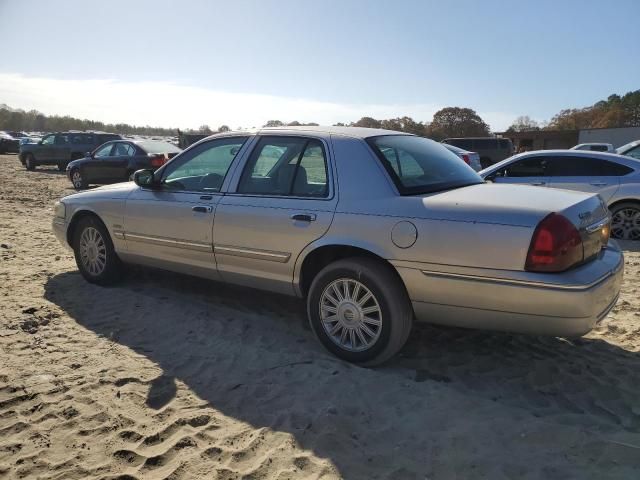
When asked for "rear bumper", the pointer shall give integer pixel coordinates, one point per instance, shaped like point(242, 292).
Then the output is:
point(565, 304)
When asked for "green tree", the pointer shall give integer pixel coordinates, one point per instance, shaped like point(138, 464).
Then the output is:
point(457, 122)
point(274, 123)
point(367, 122)
point(224, 128)
point(523, 123)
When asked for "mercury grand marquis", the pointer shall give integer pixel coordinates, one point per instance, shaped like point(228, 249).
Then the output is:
point(375, 229)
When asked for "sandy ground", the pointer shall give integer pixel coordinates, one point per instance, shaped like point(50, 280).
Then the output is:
point(167, 376)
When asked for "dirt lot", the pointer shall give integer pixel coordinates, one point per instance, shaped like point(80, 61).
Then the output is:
point(167, 376)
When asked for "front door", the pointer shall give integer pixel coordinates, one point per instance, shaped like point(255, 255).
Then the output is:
point(171, 226)
point(115, 167)
point(529, 171)
point(45, 149)
point(283, 201)
point(95, 169)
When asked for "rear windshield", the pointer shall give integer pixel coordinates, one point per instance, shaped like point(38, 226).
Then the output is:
point(418, 165)
point(154, 146)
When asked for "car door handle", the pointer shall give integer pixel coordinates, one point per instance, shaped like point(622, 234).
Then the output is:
point(304, 217)
point(538, 183)
point(598, 184)
point(201, 209)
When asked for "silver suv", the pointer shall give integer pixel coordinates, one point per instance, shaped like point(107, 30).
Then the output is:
point(374, 228)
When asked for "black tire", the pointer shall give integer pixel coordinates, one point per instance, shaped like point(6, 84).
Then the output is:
point(627, 225)
point(62, 167)
point(29, 162)
point(78, 181)
point(111, 272)
point(396, 314)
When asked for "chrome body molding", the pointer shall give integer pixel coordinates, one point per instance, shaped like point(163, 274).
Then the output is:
point(280, 257)
point(170, 242)
point(119, 234)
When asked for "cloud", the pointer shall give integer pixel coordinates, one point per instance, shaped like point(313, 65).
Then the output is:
point(167, 104)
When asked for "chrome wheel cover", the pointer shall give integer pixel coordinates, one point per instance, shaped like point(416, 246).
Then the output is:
point(625, 224)
point(76, 179)
point(93, 251)
point(350, 315)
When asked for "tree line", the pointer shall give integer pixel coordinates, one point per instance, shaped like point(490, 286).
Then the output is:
point(615, 111)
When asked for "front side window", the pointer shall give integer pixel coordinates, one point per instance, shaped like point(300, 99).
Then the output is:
point(203, 168)
point(104, 151)
point(634, 152)
point(528, 167)
point(286, 166)
point(48, 140)
point(418, 165)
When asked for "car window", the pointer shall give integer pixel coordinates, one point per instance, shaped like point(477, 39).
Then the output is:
point(61, 139)
point(124, 150)
point(634, 152)
point(78, 139)
point(293, 166)
point(104, 151)
point(463, 143)
point(484, 144)
point(48, 140)
point(585, 167)
point(420, 165)
point(527, 167)
point(203, 168)
point(598, 148)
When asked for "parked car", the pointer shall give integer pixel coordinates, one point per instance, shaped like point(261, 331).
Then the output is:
point(594, 147)
point(9, 143)
point(116, 160)
point(491, 149)
point(470, 158)
point(30, 139)
point(615, 177)
point(631, 149)
point(326, 213)
point(62, 147)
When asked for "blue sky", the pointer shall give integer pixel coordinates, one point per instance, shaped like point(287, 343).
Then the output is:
point(243, 62)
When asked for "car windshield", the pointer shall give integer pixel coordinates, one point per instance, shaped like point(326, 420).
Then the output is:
point(154, 146)
point(418, 165)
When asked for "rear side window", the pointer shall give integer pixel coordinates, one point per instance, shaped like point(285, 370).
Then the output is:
point(62, 139)
point(586, 167)
point(286, 166)
point(418, 165)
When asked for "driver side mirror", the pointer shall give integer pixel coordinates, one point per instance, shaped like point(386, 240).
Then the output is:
point(145, 178)
point(88, 154)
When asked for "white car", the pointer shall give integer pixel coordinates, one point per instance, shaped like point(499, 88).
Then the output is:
point(631, 149)
point(595, 147)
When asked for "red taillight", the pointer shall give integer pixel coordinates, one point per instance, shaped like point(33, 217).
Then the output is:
point(466, 159)
point(158, 160)
point(556, 246)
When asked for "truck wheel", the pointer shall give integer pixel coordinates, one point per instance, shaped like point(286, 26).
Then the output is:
point(29, 162)
point(94, 252)
point(359, 310)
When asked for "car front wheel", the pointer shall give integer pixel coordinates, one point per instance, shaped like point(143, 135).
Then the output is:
point(78, 181)
point(29, 162)
point(94, 252)
point(359, 310)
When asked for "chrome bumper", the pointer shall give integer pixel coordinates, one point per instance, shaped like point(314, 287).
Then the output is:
point(564, 304)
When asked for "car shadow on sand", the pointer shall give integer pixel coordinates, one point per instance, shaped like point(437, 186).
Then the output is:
point(252, 356)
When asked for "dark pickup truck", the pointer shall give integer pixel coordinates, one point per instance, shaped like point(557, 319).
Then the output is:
point(62, 147)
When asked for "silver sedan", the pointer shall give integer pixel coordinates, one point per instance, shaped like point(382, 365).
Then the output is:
point(375, 229)
point(615, 177)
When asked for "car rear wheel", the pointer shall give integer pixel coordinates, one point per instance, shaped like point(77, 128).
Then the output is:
point(29, 162)
point(359, 310)
point(625, 221)
point(94, 252)
point(78, 181)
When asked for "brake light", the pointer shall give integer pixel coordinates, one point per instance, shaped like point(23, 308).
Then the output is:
point(556, 246)
point(466, 159)
point(158, 160)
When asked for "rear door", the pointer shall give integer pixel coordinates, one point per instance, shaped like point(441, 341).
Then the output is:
point(279, 202)
point(529, 170)
point(586, 174)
